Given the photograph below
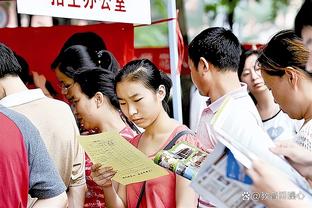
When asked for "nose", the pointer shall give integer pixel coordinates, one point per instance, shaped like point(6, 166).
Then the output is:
point(255, 75)
point(132, 110)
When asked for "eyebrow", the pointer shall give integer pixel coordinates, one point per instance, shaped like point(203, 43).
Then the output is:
point(131, 96)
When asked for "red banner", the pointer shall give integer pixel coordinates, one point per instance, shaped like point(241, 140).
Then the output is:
point(40, 46)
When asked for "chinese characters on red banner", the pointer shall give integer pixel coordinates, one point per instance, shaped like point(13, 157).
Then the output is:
point(114, 5)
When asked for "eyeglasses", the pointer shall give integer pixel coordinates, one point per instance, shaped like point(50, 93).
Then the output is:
point(65, 87)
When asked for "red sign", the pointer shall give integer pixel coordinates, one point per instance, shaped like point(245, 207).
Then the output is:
point(40, 46)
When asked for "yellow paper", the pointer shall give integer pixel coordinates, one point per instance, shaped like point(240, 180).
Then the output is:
point(110, 149)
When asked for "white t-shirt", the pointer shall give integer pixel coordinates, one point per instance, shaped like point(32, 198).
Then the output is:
point(281, 126)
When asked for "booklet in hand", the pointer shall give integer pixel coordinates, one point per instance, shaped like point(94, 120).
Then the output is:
point(183, 159)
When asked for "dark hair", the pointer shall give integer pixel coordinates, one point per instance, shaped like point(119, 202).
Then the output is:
point(243, 59)
point(95, 79)
point(284, 50)
point(8, 62)
point(218, 46)
point(78, 56)
point(145, 71)
point(89, 39)
point(304, 17)
point(24, 73)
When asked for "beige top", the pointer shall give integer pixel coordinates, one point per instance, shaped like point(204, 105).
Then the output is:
point(58, 129)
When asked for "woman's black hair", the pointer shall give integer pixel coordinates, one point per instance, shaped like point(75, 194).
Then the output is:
point(284, 50)
point(78, 56)
point(90, 40)
point(145, 71)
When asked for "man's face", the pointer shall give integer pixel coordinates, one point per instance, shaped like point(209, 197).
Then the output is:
point(197, 78)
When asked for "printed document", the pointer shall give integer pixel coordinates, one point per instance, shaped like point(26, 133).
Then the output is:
point(110, 149)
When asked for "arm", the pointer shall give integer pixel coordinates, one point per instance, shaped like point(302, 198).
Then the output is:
point(58, 201)
point(40, 81)
point(102, 176)
point(77, 187)
point(185, 195)
point(76, 196)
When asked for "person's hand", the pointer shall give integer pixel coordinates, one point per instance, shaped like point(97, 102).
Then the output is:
point(40, 82)
point(269, 180)
point(39, 79)
point(297, 156)
point(102, 176)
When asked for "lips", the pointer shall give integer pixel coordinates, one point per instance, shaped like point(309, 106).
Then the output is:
point(137, 120)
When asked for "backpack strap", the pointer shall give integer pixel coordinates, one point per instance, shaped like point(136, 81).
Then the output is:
point(176, 137)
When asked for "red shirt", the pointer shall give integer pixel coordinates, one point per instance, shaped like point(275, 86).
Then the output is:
point(14, 172)
point(159, 192)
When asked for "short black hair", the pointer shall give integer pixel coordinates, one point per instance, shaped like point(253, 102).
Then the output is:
point(218, 46)
point(91, 40)
point(8, 62)
point(96, 79)
point(304, 17)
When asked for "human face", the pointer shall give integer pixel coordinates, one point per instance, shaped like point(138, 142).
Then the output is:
point(66, 83)
point(282, 92)
point(197, 78)
point(84, 108)
point(306, 34)
point(140, 104)
point(251, 75)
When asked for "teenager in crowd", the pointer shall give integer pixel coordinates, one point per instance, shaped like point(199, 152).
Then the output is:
point(142, 90)
point(96, 107)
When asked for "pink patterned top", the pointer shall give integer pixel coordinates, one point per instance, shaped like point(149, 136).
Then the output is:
point(94, 197)
point(159, 192)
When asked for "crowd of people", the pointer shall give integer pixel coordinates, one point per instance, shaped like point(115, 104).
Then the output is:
point(45, 166)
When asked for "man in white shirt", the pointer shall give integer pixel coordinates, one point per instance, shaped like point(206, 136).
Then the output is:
point(54, 120)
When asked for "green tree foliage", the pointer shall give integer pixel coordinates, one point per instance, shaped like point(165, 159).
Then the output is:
point(230, 5)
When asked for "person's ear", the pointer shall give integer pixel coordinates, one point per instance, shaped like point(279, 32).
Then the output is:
point(161, 92)
point(292, 76)
point(99, 99)
point(203, 63)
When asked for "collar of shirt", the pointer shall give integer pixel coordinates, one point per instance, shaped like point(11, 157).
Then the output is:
point(20, 98)
point(237, 93)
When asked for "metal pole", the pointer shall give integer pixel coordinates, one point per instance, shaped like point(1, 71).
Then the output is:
point(175, 76)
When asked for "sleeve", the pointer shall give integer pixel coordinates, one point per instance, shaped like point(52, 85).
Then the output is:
point(44, 179)
point(78, 170)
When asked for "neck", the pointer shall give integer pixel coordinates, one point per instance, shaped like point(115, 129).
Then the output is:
point(11, 84)
point(307, 99)
point(111, 121)
point(265, 104)
point(225, 83)
point(162, 125)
